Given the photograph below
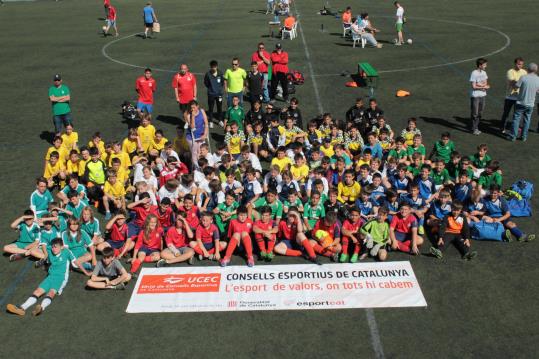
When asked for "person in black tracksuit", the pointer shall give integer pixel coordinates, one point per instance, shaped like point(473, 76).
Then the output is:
point(214, 82)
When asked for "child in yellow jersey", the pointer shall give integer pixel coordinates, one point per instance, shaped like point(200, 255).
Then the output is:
point(299, 170)
point(121, 174)
point(57, 146)
point(385, 142)
point(282, 160)
point(158, 144)
point(84, 157)
point(98, 142)
point(55, 171)
point(146, 132)
point(180, 143)
point(70, 138)
point(327, 147)
point(114, 192)
point(313, 134)
point(336, 135)
point(122, 156)
point(365, 159)
point(325, 127)
point(291, 132)
point(410, 131)
point(131, 144)
point(256, 140)
point(349, 190)
point(235, 140)
point(73, 163)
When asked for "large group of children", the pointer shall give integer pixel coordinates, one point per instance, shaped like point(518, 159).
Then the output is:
point(344, 189)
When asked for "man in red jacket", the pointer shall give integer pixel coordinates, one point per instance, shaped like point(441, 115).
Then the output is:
point(263, 59)
point(279, 61)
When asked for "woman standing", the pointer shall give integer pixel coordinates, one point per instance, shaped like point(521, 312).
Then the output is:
point(198, 129)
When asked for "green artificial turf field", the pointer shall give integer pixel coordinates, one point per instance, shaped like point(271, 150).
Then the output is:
point(484, 308)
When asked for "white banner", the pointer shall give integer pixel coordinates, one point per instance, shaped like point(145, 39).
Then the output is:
point(276, 287)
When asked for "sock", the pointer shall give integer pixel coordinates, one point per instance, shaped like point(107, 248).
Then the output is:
point(148, 259)
point(323, 251)
point(29, 302)
point(248, 244)
point(262, 245)
point(308, 248)
point(516, 232)
point(357, 247)
point(345, 245)
point(198, 250)
point(293, 253)
point(212, 251)
point(404, 246)
point(46, 302)
point(271, 244)
point(135, 265)
point(231, 247)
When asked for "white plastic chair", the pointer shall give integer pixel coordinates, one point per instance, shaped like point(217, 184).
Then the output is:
point(358, 38)
point(346, 29)
point(292, 33)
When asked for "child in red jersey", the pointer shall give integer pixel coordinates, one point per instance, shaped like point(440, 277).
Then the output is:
point(350, 233)
point(142, 208)
point(292, 240)
point(332, 227)
point(164, 214)
point(265, 230)
point(403, 231)
point(207, 239)
point(149, 243)
point(117, 238)
point(177, 241)
point(191, 211)
point(239, 230)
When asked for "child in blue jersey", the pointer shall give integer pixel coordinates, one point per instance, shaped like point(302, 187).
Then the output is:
point(28, 236)
point(400, 182)
point(40, 198)
point(79, 243)
point(378, 191)
point(474, 209)
point(439, 208)
point(463, 188)
point(418, 206)
point(425, 182)
point(55, 282)
point(496, 210)
point(391, 203)
point(366, 206)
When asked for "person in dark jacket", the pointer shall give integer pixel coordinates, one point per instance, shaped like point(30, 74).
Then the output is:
point(214, 82)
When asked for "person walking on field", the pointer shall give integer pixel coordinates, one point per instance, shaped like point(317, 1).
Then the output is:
point(479, 83)
point(528, 86)
point(279, 60)
point(513, 75)
point(111, 21)
point(149, 18)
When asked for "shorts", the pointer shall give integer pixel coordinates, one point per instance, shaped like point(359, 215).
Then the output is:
point(398, 26)
point(132, 230)
point(184, 107)
point(148, 25)
point(78, 252)
point(56, 283)
point(403, 237)
point(148, 107)
point(208, 246)
point(291, 244)
point(115, 244)
point(111, 23)
point(148, 251)
point(21, 245)
point(183, 249)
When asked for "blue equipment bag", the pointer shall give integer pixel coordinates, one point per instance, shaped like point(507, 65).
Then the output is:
point(524, 188)
point(519, 208)
point(484, 231)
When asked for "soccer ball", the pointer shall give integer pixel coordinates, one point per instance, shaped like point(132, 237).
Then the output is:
point(395, 41)
point(409, 41)
point(104, 27)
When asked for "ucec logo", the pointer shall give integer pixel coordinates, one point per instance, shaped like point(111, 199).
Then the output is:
point(179, 283)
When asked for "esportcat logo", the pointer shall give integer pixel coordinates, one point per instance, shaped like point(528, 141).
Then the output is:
point(179, 283)
point(324, 303)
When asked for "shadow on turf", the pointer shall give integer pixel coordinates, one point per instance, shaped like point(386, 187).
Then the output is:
point(172, 120)
point(47, 136)
point(491, 127)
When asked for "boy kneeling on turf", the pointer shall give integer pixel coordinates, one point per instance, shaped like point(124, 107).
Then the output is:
point(108, 273)
point(54, 283)
point(454, 229)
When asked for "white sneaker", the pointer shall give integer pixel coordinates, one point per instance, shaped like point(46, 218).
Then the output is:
point(186, 126)
point(222, 124)
point(211, 124)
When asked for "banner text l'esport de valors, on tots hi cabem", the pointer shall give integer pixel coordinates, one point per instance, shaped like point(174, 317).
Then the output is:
point(276, 287)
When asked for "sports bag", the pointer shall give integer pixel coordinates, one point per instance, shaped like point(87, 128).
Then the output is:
point(519, 207)
point(484, 231)
point(296, 77)
point(524, 188)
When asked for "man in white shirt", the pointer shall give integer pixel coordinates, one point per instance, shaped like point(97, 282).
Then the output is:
point(513, 75)
point(528, 88)
point(479, 84)
point(399, 17)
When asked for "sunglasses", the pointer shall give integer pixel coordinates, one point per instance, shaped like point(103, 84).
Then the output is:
point(233, 64)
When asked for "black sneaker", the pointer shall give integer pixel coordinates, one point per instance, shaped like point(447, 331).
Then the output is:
point(436, 252)
point(161, 263)
point(470, 255)
point(120, 286)
point(40, 263)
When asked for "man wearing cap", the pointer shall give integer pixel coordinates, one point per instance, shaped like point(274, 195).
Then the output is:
point(528, 86)
point(263, 59)
point(185, 88)
point(60, 97)
point(279, 61)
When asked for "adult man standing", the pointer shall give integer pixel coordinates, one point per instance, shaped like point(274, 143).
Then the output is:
point(279, 61)
point(263, 59)
point(145, 87)
point(254, 83)
point(235, 82)
point(60, 98)
point(184, 84)
point(149, 18)
point(513, 75)
point(214, 82)
point(399, 17)
point(479, 83)
point(528, 87)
